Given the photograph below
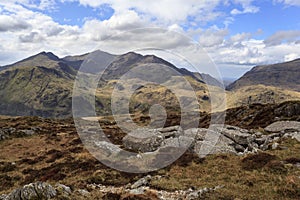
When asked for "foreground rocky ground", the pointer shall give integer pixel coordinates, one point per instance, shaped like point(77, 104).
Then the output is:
point(43, 158)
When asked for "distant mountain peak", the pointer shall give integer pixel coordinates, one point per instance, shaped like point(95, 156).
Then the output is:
point(283, 75)
point(49, 55)
point(132, 55)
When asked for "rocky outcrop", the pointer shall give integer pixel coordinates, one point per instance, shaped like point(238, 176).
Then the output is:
point(147, 140)
point(143, 140)
point(217, 139)
point(283, 126)
point(38, 190)
point(286, 129)
point(44, 191)
point(6, 133)
point(238, 135)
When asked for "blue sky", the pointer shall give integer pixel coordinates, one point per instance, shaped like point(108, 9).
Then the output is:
point(236, 34)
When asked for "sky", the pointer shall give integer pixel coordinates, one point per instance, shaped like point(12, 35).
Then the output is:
point(235, 34)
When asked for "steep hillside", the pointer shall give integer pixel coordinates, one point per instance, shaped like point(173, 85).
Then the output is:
point(283, 75)
point(37, 90)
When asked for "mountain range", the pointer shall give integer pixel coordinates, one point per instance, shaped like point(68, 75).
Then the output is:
point(42, 85)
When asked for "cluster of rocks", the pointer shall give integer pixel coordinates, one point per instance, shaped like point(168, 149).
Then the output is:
point(6, 133)
point(141, 187)
point(216, 139)
point(38, 190)
point(43, 191)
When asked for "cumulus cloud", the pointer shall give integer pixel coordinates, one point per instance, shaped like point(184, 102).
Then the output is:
point(164, 11)
point(24, 31)
point(254, 52)
point(212, 37)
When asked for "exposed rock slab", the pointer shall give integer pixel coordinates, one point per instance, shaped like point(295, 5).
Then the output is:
point(238, 135)
point(283, 126)
point(143, 140)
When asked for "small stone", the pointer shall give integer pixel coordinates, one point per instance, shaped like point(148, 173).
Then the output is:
point(138, 191)
point(296, 136)
point(239, 148)
point(83, 192)
point(63, 189)
point(275, 146)
point(258, 134)
point(107, 147)
point(141, 182)
point(28, 132)
point(3, 197)
point(261, 140)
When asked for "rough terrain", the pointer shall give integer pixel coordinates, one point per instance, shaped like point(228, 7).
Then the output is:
point(251, 161)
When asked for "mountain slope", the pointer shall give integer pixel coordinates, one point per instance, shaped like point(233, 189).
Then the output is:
point(42, 84)
point(124, 63)
point(283, 75)
point(260, 94)
point(37, 91)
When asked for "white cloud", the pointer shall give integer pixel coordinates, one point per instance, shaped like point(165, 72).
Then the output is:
point(291, 56)
point(247, 7)
point(289, 2)
point(164, 11)
point(24, 32)
point(240, 37)
point(11, 23)
point(254, 52)
point(40, 4)
point(212, 37)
